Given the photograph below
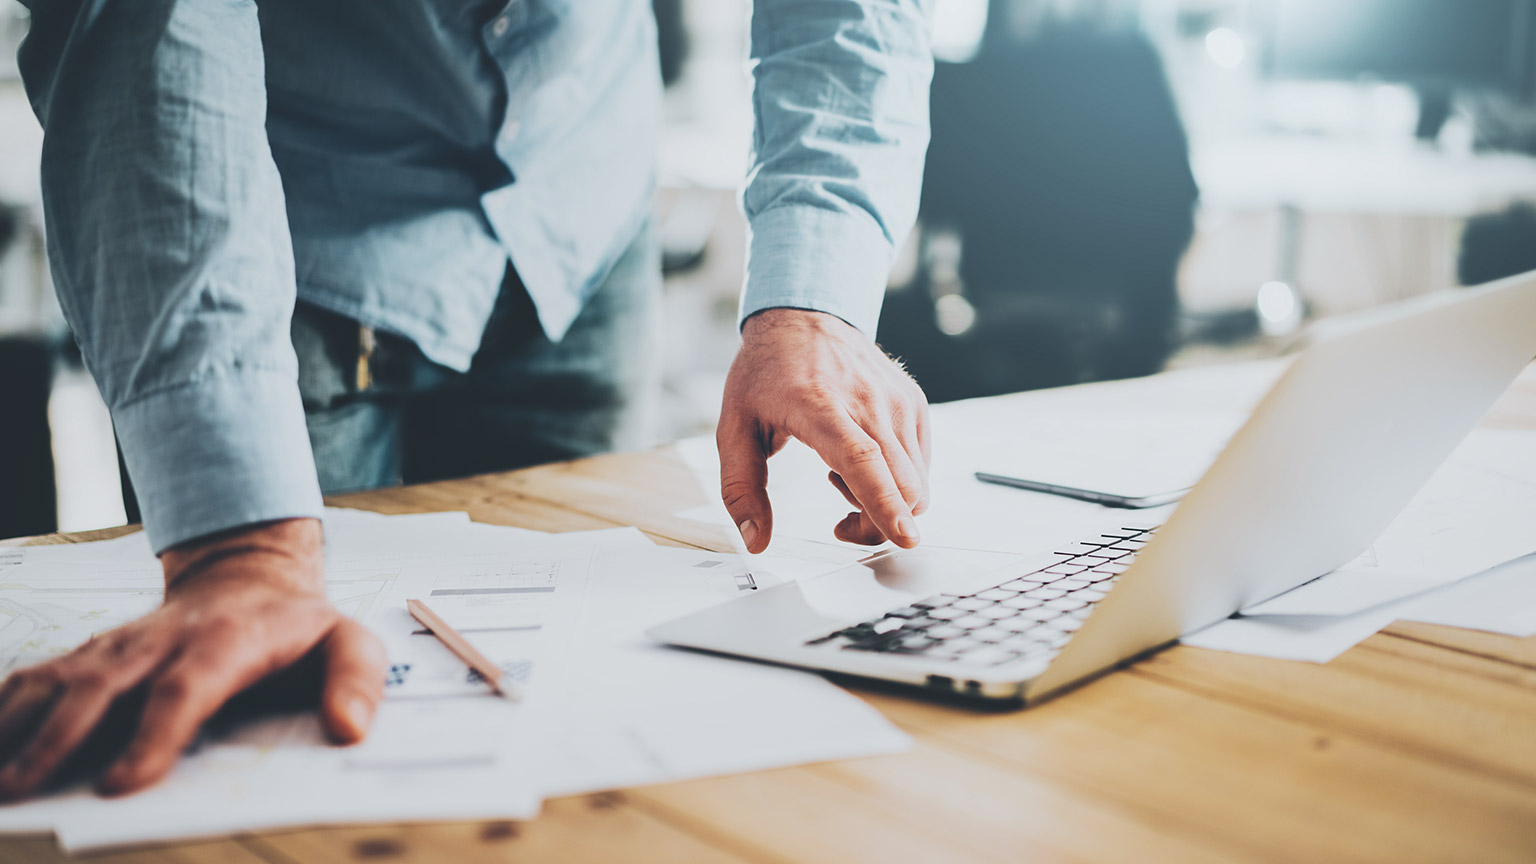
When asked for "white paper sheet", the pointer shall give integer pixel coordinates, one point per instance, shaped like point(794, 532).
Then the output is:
point(442, 746)
point(633, 712)
point(605, 708)
point(1309, 638)
point(1503, 600)
point(1476, 512)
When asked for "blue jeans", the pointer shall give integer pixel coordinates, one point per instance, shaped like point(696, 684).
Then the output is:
point(525, 400)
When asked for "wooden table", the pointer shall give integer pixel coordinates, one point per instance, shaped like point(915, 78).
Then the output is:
point(1417, 745)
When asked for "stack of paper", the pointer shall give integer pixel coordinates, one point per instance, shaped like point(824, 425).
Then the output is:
point(562, 613)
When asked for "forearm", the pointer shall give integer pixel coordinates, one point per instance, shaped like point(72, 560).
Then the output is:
point(170, 251)
point(841, 95)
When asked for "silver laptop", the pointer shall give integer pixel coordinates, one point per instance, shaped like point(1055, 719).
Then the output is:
point(1343, 440)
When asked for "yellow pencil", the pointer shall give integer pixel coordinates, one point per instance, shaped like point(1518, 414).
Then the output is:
point(463, 650)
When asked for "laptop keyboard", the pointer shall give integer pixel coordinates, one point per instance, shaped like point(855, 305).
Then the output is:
point(1028, 615)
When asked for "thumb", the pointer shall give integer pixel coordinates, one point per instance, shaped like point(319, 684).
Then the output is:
point(354, 681)
point(744, 482)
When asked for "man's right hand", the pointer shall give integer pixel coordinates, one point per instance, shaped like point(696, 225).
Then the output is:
point(238, 608)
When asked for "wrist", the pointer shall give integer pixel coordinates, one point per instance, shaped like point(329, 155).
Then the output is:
point(782, 317)
point(287, 554)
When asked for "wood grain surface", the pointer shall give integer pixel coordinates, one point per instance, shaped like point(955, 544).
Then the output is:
point(1417, 745)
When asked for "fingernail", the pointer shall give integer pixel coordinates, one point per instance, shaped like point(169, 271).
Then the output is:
point(907, 528)
point(359, 713)
point(748, 530)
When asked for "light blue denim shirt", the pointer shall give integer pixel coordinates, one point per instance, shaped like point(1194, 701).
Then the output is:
point(206, 162)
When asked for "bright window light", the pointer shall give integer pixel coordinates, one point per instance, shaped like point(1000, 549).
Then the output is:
point(1226, 47)
point(1279, 308)
point(954, 314)
point(958, 26)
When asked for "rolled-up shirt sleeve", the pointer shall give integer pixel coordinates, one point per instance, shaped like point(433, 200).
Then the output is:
point(169, 246)
point(840, 91)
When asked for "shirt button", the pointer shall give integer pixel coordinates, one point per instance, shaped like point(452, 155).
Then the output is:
point(499, 26)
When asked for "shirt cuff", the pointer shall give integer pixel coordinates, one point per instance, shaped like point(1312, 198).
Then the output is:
point(813, 258)
point(225, 451)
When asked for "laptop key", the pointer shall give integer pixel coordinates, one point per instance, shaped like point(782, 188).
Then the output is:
point(1092, 595)
point(1018, 624)
point(971, 604)
point(950, 613)
point(1070, 585)
point(973, 622)
point(1065, 569)
point(1043, 613)
point(1068, 623)
point(990, 657)
point(856, 633)
point(996, 594)
point(1067, 604)
point(1022, 602)
point(916, 642)
point(997, 612)
point(907, 612)
point(950, 650)
point(992, 634)
point(946, 631)
point(1045, 594)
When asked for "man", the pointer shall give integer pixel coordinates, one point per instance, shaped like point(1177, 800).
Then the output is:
point(384, 161)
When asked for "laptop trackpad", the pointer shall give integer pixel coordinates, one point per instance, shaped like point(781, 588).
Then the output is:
point(894, 578)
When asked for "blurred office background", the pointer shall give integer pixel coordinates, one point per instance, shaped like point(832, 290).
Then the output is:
point(1114, 187)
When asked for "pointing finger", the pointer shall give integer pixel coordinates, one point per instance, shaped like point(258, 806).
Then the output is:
point(856, 527)
point(909, 478)
point(860, 461)
point(914, 441)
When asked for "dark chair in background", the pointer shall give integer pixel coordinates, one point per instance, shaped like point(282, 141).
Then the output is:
point(671, 37)
point(1495, 245)
point(1057, 204)
point(28, 501)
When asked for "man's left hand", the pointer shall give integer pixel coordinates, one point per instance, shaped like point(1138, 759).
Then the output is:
point(812, 376)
